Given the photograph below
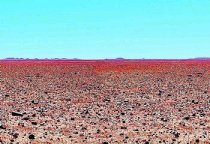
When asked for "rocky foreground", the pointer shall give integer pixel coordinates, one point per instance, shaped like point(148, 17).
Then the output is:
point(102, 102)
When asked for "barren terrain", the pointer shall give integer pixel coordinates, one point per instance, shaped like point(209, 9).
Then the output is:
point(101, 102)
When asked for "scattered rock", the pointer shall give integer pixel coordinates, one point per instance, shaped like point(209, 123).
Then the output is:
point(26, 118)
point(15, 135)
point(31, 137)
point(6, 95)
point(176, 134)
point(35, 101)
point(163, 119)
point(17, 114)
point(186, 118)
point(34, 123)
point(2, 126)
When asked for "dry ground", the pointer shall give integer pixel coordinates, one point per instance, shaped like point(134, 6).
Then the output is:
point(105, 102)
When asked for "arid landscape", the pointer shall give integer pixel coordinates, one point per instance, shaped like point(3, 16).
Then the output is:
point(105, 101)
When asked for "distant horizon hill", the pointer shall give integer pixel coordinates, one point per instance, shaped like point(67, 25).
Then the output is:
point(119, 58)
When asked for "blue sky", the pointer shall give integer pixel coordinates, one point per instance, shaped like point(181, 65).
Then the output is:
point(95, 29)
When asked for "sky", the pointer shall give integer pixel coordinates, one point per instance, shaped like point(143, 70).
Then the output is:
point(98, 29)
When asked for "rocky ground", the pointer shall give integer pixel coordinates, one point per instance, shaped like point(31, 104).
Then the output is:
point(102, 102)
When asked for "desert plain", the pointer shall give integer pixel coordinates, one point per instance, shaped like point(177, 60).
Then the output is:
point(105, 101)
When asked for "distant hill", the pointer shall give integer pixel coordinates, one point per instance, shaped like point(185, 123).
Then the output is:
point(120, 58)
point(202, 58)
point(112, 59)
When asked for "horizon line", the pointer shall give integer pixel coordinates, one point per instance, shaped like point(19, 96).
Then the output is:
point(196, 58)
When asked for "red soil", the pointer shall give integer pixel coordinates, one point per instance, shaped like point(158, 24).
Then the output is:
point(125, 101)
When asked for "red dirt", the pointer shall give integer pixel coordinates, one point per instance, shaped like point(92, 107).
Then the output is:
point(122, 101)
